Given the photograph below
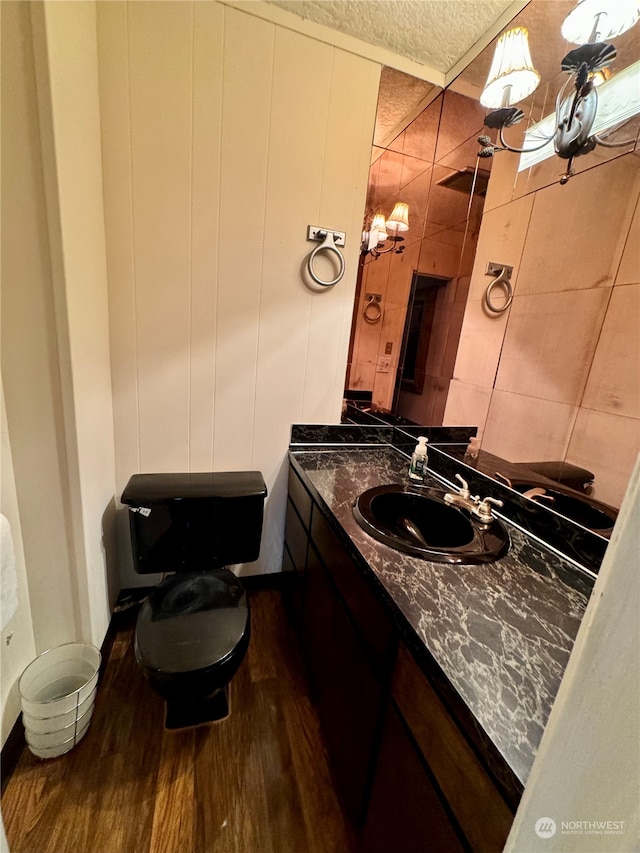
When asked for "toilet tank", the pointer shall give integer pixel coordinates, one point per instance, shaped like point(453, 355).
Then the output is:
point(194, 522)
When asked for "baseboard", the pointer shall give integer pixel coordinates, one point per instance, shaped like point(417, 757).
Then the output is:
point(11, 751)
point(107, 645)
point(272, 580)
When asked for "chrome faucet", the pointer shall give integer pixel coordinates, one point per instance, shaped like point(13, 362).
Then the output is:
point(464, 498)
point(484, 511)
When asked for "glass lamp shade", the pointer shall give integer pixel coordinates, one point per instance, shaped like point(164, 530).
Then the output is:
point(399, 219)
point(512, 76)
point(599, 20)
point(380, 226)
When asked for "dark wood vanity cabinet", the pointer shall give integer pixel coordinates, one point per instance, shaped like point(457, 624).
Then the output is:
point(407, 777)
point(346, 672)
point(470, 793)
point(405, 812)
point(430, 791)
point(294, 562)
point(346, 692)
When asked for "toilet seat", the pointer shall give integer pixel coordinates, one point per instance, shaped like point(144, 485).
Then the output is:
point(193, 623)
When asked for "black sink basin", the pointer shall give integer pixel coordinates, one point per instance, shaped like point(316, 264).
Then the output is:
point(582, 510)
point(419, 522)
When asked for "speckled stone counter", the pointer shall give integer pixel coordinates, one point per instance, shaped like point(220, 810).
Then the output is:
point(500, 633)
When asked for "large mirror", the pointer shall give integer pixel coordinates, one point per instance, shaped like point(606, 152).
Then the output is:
point(554, 377)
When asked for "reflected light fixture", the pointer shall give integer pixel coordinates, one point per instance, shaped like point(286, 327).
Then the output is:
point(378, 224)
point(512, 78)
point(390, 229)
point(597, 20)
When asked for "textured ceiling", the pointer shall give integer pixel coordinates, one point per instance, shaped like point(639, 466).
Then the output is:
point(438, 34)
point(432, 32)
point(399, 96)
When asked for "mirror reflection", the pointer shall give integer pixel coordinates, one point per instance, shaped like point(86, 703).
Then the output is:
point(554, 377)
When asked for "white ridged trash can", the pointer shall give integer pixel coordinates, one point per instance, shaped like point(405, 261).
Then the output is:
point(57, 693)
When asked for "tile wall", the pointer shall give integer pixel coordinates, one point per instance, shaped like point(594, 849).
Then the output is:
point(440, 242)
point(556, 376)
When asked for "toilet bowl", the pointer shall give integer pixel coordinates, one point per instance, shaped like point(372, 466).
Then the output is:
point(193, 630)
point(191, 636)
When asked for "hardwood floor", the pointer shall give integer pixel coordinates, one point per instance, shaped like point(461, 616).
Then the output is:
point(257, 782)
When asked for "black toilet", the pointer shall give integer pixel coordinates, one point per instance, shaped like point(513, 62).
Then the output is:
point(193, 630)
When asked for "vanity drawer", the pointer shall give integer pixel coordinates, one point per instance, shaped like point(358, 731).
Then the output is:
point(366, 611)
point(478, 806)
point(300, 498)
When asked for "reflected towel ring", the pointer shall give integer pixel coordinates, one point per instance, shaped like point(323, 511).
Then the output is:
point(502, 279)
point(377, 313)
point(329, 245)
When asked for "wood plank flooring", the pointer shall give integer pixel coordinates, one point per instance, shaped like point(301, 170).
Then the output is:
point(257, 782)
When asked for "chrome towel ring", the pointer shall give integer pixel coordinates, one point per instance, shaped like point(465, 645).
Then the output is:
point(373, 301)
point(503, 279)
point(330, 242)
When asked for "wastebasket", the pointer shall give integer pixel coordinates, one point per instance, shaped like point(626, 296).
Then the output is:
point(57, 693)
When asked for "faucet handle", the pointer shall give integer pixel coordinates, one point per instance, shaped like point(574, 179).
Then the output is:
point(464, 491)
point(484, 508)
point(503, 479)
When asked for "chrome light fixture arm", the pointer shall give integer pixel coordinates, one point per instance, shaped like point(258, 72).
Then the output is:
point(508, 147)
point(501, 119)
point(376, 252)
point(602, 140)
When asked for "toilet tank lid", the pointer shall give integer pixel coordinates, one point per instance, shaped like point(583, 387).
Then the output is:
point(143, 489)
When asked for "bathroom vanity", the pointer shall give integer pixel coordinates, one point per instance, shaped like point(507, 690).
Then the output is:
point(433, 681)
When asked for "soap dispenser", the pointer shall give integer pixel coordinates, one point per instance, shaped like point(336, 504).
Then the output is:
point(418, 467)
point(472, 451)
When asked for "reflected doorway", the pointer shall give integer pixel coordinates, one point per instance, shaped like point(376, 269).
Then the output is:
point(430, 342)
point(417, 333)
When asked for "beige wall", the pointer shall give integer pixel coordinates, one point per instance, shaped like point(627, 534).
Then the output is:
point(436, 145)
point(67, 72)
point(18, 646)
point(55, 363)
point(223, 137)
point(556, 376)
point(30, 371)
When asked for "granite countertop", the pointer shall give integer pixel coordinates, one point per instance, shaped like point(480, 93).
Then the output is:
point(500, 632)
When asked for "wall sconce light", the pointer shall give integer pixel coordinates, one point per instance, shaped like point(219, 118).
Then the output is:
point(381, 230)
point(512, 77)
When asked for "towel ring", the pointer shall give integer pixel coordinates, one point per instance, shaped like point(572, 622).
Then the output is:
point(372, 303)
point(502, 279)
point(329, 245)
